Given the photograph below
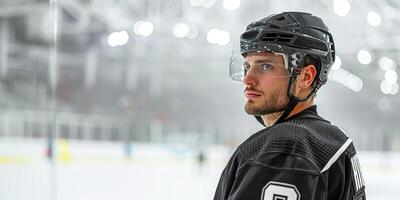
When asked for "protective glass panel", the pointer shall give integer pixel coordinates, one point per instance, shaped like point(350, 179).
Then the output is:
point(239, 66)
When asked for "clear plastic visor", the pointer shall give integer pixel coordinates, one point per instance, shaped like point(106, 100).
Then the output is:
point(259, 63)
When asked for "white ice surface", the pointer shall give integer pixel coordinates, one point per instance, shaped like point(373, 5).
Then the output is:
point(99, 171)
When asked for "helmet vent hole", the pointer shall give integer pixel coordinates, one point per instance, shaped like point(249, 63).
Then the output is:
point(271, 35)
point(276, 37)
point(280, 18)
point(274, 26)
point(250, 35)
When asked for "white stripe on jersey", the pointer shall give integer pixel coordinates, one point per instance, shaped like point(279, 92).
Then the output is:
point(355, 174)
point(358, 177)
point(337, 155)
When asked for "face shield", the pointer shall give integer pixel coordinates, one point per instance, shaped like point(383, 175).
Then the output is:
point(266, 65)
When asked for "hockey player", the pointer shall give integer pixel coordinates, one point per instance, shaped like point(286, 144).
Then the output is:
point(299, 155)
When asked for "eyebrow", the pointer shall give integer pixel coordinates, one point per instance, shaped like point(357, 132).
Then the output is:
point(263, 60)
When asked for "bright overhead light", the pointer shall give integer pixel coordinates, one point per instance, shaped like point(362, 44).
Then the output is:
point(146, 28)
point(180, 30)
point(212, 36)
point(391, 76)
point(118, 39)
point(358, 85)
point(386, 63)
point(220, 37)
point(385, 87)
point(231, 4)
point(143, 28)
point(395, 89)
point(341, 7)
point(389, 88)
point(224, 38)
point(374, 19)
point(354, 83)
point(364, 57)
point(337, 64)
point(347, 79)
point(136, 27)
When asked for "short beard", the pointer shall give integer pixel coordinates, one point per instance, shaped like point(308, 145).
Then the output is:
point(274, 104)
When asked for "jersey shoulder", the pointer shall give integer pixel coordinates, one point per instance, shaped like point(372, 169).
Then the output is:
point(311, 140)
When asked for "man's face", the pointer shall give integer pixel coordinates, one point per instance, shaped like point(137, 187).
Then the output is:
point(266, 83)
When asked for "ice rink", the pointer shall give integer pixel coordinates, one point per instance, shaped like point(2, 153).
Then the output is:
point(86, 170)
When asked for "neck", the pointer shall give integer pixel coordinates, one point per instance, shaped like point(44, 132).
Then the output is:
point(270, 119)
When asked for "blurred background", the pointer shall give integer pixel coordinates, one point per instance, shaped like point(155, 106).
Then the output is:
point(129, 99)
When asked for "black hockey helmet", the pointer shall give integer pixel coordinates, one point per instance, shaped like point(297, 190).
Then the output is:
point(295, 34)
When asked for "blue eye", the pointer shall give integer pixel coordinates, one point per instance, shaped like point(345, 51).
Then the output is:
point(265, 67)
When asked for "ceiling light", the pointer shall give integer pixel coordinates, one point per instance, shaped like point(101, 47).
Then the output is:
point(374, 19)
point(341, 7)
point(364, 57)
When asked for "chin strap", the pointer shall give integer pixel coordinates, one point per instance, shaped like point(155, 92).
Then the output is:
point(260, 119)
point(290, 106)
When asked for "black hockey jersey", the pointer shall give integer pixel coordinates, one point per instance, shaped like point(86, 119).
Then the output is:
point(301, 158)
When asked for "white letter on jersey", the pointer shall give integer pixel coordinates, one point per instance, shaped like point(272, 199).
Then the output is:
point(280, 191)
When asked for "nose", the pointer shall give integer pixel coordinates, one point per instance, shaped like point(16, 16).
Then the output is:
point(250, 79)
